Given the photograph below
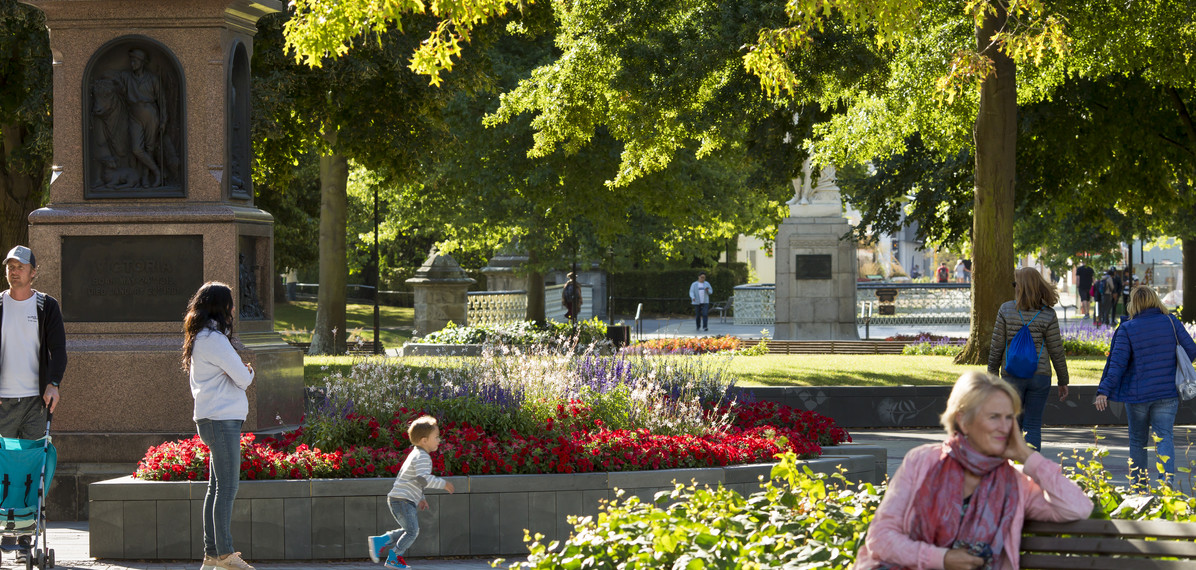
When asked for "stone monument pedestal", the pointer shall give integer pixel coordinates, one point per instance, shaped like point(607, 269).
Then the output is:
point(816, 280)
point(441, 293)
point(150, 197)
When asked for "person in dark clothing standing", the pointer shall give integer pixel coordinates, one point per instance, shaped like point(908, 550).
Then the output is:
point(571, 298)
point(1084, 275)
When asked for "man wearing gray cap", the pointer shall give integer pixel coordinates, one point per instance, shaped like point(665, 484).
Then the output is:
point(32, 350)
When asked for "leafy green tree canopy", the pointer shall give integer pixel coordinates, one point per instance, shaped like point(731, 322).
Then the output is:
point(319, 29)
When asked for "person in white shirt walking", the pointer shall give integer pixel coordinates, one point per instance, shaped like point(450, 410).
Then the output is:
point(699, 296)
point(32, 350)
point(32, 356)
point(407, 495)
point(219, 379)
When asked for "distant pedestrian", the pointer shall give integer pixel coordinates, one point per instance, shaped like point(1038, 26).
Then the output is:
point(1106, 294)
point(407, 495)
point(961, 271)
point(571, 298)
point(1031, 307)
point(218, 382)
point(699, 296)
point(916, 272)
point(942, 274)
point(1140, 373)
point(1084, 276)
point(967, 271)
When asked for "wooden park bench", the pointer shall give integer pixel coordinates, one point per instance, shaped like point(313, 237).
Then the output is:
point(1108, 544)
point(365, 347)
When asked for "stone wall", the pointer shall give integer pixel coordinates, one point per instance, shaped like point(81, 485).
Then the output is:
point(921, 406)
point(329, 519)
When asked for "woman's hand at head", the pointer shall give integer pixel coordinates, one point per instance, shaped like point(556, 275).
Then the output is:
point(960, 559)
point(1017, 449)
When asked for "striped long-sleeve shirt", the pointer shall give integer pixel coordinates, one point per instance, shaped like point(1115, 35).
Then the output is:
point(415, 475)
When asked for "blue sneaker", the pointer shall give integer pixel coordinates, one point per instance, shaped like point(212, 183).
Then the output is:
point(395, 562)
point(377, 543)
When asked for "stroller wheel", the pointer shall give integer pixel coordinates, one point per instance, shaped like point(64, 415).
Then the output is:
point(41, 559)
point(50, 559)
point(29, 561)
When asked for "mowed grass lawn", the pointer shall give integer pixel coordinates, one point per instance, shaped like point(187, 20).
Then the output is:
point(797, 369)
point(296, 319)
point(876, 370)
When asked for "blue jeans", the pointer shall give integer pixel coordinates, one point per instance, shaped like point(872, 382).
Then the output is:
point(406, 514)
point(1033, 392)
point(223, 438)
point(702, 311)
point(1158, 415)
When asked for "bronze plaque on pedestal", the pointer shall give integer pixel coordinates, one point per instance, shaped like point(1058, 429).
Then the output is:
point(813, 267)
point(129, 278)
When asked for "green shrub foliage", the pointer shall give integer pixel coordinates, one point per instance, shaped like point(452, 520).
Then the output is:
point(800, 521)
point(629, 288)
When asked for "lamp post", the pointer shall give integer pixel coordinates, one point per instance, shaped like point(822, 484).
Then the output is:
point(377, 277)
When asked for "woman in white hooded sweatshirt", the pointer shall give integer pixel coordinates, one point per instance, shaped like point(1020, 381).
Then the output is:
point(218, 382)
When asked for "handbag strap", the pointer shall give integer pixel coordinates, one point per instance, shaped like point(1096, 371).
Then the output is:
point(1173, 331)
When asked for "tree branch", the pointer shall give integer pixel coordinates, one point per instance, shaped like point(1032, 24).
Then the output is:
point(1178, 145)
point(1183, 112)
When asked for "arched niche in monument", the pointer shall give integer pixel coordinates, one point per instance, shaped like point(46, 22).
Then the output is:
point(239, 182)
point(133, 121)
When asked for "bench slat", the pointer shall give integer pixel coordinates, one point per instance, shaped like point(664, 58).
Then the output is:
point(1124, 528)
point(1046, 562)
point(1109, 545)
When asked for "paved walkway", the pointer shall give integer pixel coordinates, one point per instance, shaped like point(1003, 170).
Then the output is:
point(70, 540)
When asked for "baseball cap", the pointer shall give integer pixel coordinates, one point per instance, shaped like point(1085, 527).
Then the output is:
point(22, 254)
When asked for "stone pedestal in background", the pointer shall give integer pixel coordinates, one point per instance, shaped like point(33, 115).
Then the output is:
point(150, 197)
point(816, 270)
point(440, 293)
point(505, 270)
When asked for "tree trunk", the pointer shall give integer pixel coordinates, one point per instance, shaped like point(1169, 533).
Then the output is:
point(535, 290)
point(992, 218)
point(329, 335)
point(20, 192)
point(1188, 314)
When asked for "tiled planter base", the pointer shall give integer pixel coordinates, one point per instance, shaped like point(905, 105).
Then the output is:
point(328, 519)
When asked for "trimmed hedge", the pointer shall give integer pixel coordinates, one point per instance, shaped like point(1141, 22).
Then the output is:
point(667, 290)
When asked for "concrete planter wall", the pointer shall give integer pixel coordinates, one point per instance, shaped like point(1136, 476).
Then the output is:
point(328, 519)
point(921, 406)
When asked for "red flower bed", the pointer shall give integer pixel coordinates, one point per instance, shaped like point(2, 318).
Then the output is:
point(571, 442)
point(688, 345)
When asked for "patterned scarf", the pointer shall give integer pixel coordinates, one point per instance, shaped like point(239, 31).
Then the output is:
point(990, 510)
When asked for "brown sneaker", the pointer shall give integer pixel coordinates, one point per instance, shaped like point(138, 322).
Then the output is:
point(233, 562)
point(209, 563)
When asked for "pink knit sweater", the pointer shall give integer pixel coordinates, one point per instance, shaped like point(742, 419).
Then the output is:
point(1046, 495)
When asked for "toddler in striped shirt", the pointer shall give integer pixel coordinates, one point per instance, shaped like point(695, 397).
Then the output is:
point(407, 495)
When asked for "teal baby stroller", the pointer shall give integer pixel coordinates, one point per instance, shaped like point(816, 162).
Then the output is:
point(26, 469)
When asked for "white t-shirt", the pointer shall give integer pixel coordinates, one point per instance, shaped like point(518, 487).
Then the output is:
point(19, 347)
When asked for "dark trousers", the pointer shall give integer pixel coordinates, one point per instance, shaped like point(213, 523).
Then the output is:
point(23, 418)
point(702, 312)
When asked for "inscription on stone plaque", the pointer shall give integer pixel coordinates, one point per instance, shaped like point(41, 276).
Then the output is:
point(813, 267)
point(129, 278)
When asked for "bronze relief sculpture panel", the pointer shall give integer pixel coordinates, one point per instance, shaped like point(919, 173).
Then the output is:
point(134, 122)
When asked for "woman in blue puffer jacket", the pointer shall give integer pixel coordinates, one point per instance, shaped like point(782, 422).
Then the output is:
point(1140, 373)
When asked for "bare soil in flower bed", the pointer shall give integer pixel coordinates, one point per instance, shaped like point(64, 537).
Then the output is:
point(572, 441)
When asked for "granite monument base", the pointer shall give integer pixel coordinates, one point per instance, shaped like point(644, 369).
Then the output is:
point(816, 280)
